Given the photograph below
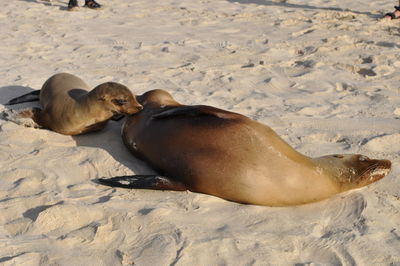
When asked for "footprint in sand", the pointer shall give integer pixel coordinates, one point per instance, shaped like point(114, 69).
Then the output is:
point(24, 258)
point(160, 248)
point(350, 209)
point(384, 70)
point(303, 32)
point(300, 68)
point(61, 219)
point(339, 222)
point(388, 44)
point(307, 50)
point(119, 45)
point(367, 60)
point(18, 226)
point(383, 143)
point(366, 72)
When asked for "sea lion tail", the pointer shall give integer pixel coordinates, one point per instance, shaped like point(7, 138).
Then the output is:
point(32, 96)
point(143, 182)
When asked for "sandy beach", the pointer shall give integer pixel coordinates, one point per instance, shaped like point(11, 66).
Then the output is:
point(323, 74)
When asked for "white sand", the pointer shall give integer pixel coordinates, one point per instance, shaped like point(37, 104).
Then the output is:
point(323, 74)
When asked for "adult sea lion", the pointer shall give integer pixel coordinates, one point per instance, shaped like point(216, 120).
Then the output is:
point(228, 155)
point(70, 107)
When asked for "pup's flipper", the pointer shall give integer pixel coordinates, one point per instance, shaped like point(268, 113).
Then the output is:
point(29, 97)
point(143, 182)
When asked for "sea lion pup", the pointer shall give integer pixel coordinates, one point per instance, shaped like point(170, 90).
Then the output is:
point(228, 155)
point(70, 107)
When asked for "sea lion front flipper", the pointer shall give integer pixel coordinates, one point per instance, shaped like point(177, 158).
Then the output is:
point(143, 182)
point(32, 96)
point(194, 110)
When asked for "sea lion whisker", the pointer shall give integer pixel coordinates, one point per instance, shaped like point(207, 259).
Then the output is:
point(371, 170)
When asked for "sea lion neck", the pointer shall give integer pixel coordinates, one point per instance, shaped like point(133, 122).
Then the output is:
point(94, 102)
point(91, 98)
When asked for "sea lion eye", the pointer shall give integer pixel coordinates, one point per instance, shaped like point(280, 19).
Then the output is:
point(338, 156)
point(119, 102)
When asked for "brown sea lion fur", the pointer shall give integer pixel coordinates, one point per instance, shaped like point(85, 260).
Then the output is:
point(208, 150)
point(69, 106)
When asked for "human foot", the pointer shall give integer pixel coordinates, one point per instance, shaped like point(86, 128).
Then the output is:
point(72, 5)
point(393, 15)
point(92, 4)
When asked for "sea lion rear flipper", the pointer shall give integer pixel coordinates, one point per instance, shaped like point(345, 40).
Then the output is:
point(194, 110)
point(143, 182)
point(32, 96)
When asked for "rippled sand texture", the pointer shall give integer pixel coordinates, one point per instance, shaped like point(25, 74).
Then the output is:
point(323, 74)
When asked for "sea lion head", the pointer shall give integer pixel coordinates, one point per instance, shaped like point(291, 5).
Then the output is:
point(117, 98)
point(157, 98)
point(353, 170)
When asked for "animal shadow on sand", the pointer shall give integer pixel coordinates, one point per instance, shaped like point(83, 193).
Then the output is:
point(109, 139)
point(283, 3)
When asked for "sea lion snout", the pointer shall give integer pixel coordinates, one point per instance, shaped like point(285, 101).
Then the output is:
point(370, 170)
point(125, 104)
point(127, 109)
point(381, 169)
point(354, 170)
point(133, 108)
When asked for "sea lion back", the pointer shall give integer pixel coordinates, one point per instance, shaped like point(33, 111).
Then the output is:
point(62, 86)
